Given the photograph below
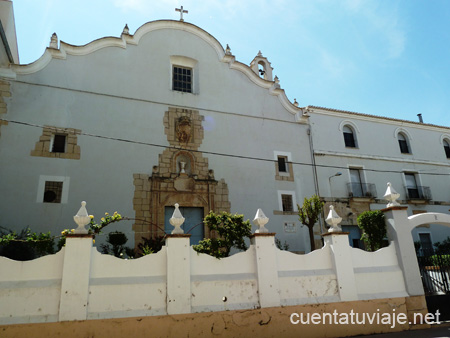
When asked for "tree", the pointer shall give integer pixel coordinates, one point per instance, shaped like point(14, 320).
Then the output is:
point(372, 224)
point(308, 214)
point(231, 232)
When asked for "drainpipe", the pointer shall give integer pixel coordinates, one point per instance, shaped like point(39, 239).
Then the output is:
point(316, 182)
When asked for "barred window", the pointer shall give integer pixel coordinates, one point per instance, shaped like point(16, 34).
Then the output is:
point(53, 192)
point(286, 202)
point(182, 79)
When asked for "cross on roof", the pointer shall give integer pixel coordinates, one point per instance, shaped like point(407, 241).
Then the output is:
point(181, 10)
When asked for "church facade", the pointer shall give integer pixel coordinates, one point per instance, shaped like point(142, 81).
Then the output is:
point(167, 115)
point(138, 123)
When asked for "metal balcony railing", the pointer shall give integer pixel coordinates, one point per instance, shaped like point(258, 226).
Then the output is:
point(418, 193)
point(361, 190)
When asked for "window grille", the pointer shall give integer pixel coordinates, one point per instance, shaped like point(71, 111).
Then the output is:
point(182, 79)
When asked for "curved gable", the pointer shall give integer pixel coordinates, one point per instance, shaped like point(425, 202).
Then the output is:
point(126, 39)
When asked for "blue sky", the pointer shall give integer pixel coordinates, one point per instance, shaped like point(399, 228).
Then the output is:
point(386, 57)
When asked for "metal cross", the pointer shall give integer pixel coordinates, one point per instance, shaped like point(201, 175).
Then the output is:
point(181, 10)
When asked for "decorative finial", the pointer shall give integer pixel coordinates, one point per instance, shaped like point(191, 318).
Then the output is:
point(277, 82)
point(177, 220)
point(295, 103)
point(260, 221)
point(391, 196)
point(181, 10)
point(228, 50)
point(54, 41)
point(126, 30)
point(333, 220)
point(259, 53)
point(82, 219)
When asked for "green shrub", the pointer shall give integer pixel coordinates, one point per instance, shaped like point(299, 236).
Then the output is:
point(231, 232)
point(374, 229)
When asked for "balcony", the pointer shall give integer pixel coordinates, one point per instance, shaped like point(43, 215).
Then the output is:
point(418, 193)
point(361, 190)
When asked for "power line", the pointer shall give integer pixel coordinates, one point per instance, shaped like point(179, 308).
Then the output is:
point(221, 154)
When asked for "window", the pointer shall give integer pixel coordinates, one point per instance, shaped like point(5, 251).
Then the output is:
point(59, 143)
point(411, 185)
point(425, 243)
point(286, 202)
point(53, 189)
point(53, 192)
point(349, 137)
point(447, 148)
point(282, 164)
point(403, 143)
point(182, 79)
point(356, 184)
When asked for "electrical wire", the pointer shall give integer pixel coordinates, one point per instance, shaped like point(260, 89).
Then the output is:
point(221, 154)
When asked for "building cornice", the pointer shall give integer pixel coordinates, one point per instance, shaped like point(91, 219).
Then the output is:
point(379, 158)
point(373, 118)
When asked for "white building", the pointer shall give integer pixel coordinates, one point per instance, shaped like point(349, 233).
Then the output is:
point(166, 115)
point(137, 123)
point(369, 151)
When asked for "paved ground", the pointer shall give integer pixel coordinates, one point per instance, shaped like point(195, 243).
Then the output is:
point(437, 331)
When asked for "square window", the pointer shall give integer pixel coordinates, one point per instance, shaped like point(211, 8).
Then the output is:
point(182, 79)
point(53, 192)
point(59, 143)
point(282, 164)
point(286, 202)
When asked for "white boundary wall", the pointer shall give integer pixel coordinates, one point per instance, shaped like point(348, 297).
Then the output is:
point(88, 285)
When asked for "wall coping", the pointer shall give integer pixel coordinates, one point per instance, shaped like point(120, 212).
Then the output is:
point(335, 233)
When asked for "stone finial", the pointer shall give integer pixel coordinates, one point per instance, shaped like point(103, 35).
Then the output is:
point(333, 220)
point(82, 219)
point(295, 103)
point(54, 41)
point(391, 196)
point(228, 50)
point(177, 220)
point(259, 53)
point(126, 30)
point(277, 82)
point(260, 221)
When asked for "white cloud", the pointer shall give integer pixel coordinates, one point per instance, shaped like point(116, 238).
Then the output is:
point(384, 20)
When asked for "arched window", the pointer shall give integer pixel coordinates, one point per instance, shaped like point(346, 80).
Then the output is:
point(349, 137)
point(403, 143)
point(447, 148)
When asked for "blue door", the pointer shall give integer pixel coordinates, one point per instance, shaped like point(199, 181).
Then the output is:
point(353, 236)
point(193, 223)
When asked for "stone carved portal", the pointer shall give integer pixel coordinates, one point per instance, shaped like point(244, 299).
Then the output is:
point(182, 176)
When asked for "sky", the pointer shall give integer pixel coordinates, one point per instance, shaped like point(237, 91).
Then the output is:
point(381, 57)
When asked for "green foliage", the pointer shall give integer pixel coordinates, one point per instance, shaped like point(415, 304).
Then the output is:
point(116, 245)
point(374, 229)
point(443, 247)
point(309, 214)
point(440, 260)
point(284, 246)
point(26, 245)
point(151, 245)
point(231, 232)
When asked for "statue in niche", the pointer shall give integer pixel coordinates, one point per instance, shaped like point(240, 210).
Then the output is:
point(183, 129)
point(183, 164)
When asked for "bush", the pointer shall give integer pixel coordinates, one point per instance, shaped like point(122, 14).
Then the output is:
point(231, 231)
point(26, 245)
point(151, 245)
point(374, 229)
